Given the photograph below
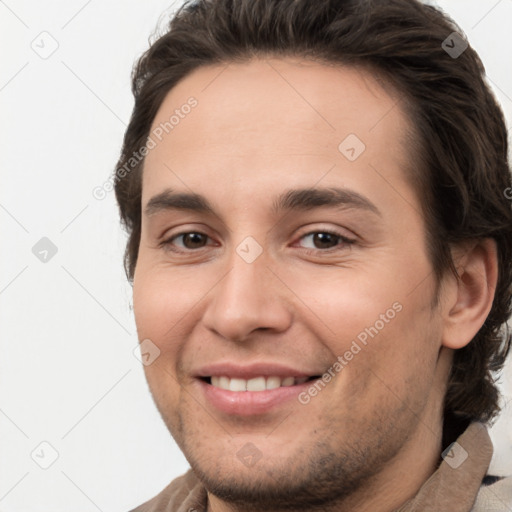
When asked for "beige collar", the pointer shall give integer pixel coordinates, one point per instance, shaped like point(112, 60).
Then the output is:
point(455, 484)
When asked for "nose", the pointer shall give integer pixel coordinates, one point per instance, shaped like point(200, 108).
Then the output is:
point(248, 298)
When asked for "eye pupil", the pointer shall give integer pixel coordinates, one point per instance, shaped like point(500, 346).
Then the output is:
point(193, 240)
point(324, 240)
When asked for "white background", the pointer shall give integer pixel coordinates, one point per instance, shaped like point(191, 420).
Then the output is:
point(68, 375)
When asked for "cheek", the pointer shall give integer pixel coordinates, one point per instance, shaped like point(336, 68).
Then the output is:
point(348, 307)
point(151, 309)
point(397, 363)
point(164, 302)
point(158, 307)
point(385, 335)
point(157, 310)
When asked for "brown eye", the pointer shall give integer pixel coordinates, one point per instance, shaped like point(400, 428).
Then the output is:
point(193, 240)
point(185, 242)
point(324, 240)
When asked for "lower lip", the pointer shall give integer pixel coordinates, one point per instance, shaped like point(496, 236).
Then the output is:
point(248, 403)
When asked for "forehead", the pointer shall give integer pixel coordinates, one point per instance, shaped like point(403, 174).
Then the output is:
point(266, 116)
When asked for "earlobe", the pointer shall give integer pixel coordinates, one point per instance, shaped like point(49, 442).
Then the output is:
point(477, 266)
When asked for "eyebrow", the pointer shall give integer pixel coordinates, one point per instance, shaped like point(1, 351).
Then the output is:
point(309, 198)
point(291, 200)
point(169, 200)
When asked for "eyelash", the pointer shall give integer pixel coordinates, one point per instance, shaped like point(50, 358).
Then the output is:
point(168, 243)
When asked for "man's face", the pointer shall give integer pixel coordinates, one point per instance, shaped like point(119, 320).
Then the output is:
point(275, 283)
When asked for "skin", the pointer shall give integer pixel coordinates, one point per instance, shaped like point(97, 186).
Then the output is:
point(372, 436)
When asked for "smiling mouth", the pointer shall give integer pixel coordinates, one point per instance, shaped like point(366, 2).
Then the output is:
point(262, 383)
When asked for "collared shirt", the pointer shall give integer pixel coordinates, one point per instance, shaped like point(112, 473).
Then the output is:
point(458, 484)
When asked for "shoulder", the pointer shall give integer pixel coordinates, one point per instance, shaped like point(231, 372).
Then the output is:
point(496, 496)
point(182, 494)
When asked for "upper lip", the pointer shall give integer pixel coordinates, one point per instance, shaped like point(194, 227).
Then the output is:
point(237, 371)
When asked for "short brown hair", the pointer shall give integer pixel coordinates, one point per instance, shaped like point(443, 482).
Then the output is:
point(463, 172)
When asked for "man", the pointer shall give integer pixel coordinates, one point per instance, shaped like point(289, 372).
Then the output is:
point(320, 246)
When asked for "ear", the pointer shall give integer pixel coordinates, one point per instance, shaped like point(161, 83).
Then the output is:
point(470, 296)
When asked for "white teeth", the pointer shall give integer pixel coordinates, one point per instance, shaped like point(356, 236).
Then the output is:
point(237, 385)
point(273, 382)
point(254, 384)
